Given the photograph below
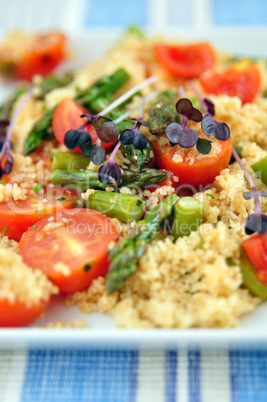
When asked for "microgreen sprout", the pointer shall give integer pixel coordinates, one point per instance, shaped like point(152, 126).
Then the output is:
point(209, 125)
point(6, 143)
point(256, 222)
point(106, 129)
point(179, 133)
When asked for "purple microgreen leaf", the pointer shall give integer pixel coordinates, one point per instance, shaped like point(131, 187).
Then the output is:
point(207, 125)
point(210, 107)
point(127, 136)
point(140, 140)
point(222, 131)
point(1, 172)
point(250, 194)
point(184, 106)
point(194, 115)
point(108, 132)
point(96, 152)
point(173, 132)
point(8, 167)
point(204, 145)
point(84, 138)
point(71, 138)
point(211, 127)
point(188, 138)
point(109, 174)
point(256, 223)
point(98, 121)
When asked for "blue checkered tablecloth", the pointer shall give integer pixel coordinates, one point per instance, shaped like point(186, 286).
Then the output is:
point(141, 376)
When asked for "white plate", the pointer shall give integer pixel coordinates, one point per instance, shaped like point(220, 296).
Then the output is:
point(103, 333)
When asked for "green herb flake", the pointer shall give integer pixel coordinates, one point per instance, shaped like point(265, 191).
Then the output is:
point(34, 227)
point(139, 203)
point(87, 267)
point(38, 188)
point(5, 230)
point(210, 195)
point(61, 199)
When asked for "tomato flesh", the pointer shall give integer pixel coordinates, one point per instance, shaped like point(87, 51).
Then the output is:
point(67, 116)
point(40, 55)
point(242, 80)
point(18, 314)
point(80, 242)
point(17, 216)
point(186, 61)
point(255, 248)
point(201, 171)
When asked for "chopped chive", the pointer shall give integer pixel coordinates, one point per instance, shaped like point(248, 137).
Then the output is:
point(61, 199)
point(5, 230)
point(87, 267)
point(210, 195)
point(139, 203)
point(34, 227)
point(38, 188)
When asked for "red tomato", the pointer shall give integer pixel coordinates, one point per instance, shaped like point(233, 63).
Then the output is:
point(202, 171)
point(186, 61)
point(38, 55)
point(242, 80)
point(79, 242)
point(18, 314)
point(154, 187)
point(68, 116)
point(17, 216)
point(255, 248)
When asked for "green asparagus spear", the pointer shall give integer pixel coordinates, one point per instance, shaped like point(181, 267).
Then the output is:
point(51, 82)
point(68, 160)
point(124, 256)
point(42, 130)
point(140, 157)
point(260, 168)
point(126, 208)
point(103, 88)
point(162, 113)
point(89, 178)
point(188, 215)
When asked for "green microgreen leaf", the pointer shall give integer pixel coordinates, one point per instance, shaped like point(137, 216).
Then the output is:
point(87, 267)
point(210, 195)
point(204, 145)
point(5, 230)
point(61, 199)
point(38, 188)
point(34, 227)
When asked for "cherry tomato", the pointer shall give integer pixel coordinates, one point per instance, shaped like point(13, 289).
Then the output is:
point(242, 80)
point(18, 314)
point(17, 216)
point(186, 61)
point(255, 248)
point(79, 243)
point(67, 116)
point(195, 172)
point(39, 54)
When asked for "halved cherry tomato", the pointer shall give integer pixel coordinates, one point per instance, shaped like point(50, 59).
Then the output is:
point(79, 243)
point(255, 248)
point(17, 216)
point(200, 171)
point(242, 80)
point(154, 187)
point(67, 116)
point(18, 314)
point(186, 61)
point(37, 54)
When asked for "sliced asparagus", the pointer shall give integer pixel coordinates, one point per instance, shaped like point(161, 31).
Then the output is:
point(124, 256)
